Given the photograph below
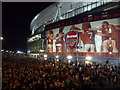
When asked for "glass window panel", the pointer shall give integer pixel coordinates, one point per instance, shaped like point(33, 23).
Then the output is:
point(78, 11)
point(63, 16)
point(81, 10)
point(66, 15)
point(98, 4)
point(89, 2)
point(89, 7)
point(85, 8)
point(94, 5)
point(85, 3)
point(69, 14)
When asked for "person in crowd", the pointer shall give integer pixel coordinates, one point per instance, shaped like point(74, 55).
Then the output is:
point(25, 73)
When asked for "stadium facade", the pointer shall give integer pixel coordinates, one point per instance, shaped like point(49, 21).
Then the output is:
point(83, 31)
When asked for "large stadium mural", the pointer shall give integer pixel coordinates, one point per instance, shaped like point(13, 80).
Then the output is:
point(100, 36)
point(97, 37)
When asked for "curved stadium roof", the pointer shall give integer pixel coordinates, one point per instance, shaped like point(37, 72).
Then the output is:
point(50, 13)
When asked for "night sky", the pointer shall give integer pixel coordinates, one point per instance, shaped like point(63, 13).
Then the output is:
point(16, 19)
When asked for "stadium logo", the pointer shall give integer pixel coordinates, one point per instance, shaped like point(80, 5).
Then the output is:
point(71, 40)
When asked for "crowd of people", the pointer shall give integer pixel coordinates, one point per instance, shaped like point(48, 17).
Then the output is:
point(26, 73)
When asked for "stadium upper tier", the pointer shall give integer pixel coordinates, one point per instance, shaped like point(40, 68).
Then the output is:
point(60, 10)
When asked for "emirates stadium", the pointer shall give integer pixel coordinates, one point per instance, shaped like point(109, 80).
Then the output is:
point(75, 32)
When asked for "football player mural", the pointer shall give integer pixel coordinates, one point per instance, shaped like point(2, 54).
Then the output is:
point(98, 36)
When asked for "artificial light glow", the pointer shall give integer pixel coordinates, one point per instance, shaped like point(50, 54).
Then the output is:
point(73, 64)
point(41, 50)
point(19, 52)
point(28, 51)
point(57, 56)
point(88, 58)
point(69, 57)
point(53, 65)
point(110, 38)
point(69, 61)
point(110, 45)
point(87, 62)
point(110, 31)
point(57, 60)
point(2, 50)
point(110, 52)
point(45, 56)
point(7, 51)
point(1, 38)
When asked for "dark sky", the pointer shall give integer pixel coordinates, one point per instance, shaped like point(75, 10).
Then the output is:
point(16, 19)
